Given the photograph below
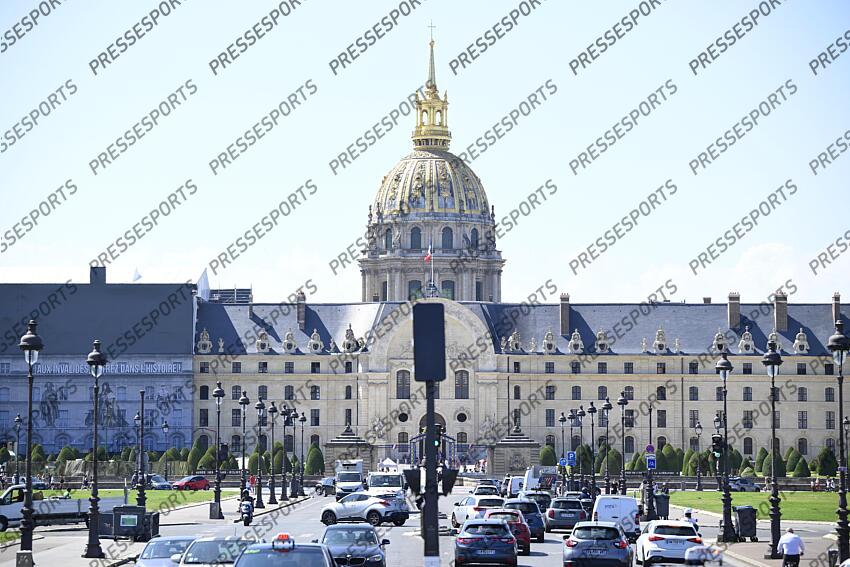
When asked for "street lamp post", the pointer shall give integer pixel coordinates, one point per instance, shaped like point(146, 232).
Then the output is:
point(17, 448)
point(261, 414)
point(771, 361)
point(273, 413)
point(284, 413)
point(698, 429)
point(717, 423)
point(215, 511)
point(581, 413)
point(301, 463)
point(141, 498)
point(846, 423)
point(724, 368)
point(293, 485)
point(243, 402)
point(607, 407)
point(165, 434)
point(31, 344)
point(839, 344)
point(592, 412)
point(97, 364)
point(573, 419)
point(622, 401)
point(650, 489)
point(563, 420)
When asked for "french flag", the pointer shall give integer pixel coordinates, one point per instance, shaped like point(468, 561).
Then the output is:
point(428, 255)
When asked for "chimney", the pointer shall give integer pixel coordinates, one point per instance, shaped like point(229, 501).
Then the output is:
point(301, 307)
point(836, 307)
point(97, 275)
point(706, 300)
point(733, 310)
point(565, 314)
point(780, 311)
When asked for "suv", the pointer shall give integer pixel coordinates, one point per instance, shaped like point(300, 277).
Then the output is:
point(361, 506)
point(738, 484)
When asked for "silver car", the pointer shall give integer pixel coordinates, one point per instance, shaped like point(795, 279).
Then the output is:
point(158, 551)
point(563, 514)
point(602, 544)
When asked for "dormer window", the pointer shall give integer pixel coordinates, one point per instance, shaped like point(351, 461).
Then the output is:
point(719, 342)
point(745, 345)
point(660, 342)
point(204, 344)
point(514, 342)
point(601, 341)
point(576, 344)
point(289, 342)
point(315, 345)
point(801, 343)
point(549, 342)
point(262, 343)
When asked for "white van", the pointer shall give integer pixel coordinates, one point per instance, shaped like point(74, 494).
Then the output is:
point(622, 510)
point(515, 484)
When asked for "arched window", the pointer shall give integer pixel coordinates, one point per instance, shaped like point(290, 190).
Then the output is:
point(462, 437)
point(473, 238)
point(802, 395)
point(830, 444)
point(235, 392)
point(517, 418)
point(575, 442)
point(415, 239)
point(314, 439)
point(661, 393)
point(693, 393)
point(630, 444)
point(576, 392)
point(448, 289)
point(388, 239)
point(288, 393)
point(236, 444)
point(517, 395)
point(414, 289)
point(601, 392)
point(748, 445)
point(263, 392)
point(661, 442)
point(829, 394)
point(315, 393)
point(803, 446)
point(402, 384)
point(550, 440)
point(403, 438)
point(629, 392)
point(462, 385)
point(439, 118)
point(424, 117)
point(203, 442)
point(205, 392)
point(694, 444)
point(348, 392)
point(448, 238)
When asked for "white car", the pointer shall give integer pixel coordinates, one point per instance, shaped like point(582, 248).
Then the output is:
point(473, 508)
point(485, 490)
point(363, 507)
point(622, 510)
point(666, 541)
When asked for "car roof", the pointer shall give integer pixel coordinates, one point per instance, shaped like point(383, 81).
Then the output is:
point(482, 521)
point(486, 496)
point(339, 527)
point(225, 538)
point(517, 500)
point(173, 538)
point(676, 523)
point(268, 545)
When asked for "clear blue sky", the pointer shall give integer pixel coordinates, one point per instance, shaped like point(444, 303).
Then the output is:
point(180, 47)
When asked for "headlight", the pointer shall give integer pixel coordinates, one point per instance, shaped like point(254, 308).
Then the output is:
point(374, 558)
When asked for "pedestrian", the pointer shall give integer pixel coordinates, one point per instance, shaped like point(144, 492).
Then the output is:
point(792, 547)
point(251, 481)
point(689, 517)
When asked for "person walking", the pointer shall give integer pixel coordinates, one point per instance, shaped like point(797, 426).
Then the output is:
point(792, 547)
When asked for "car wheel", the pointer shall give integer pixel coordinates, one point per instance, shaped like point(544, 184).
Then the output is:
point(454, 522)
point(541, 538)
point(548, 530)
point(398, 522)
point(526, 550)
point(374, 517)
point(320, 491)
point(328, 518)
point(4, 524)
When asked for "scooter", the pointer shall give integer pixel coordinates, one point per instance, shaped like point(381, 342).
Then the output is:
point(246, 509)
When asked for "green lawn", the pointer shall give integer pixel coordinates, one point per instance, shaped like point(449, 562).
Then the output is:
point(157, 500)
point(9, 536)
point(816, 506)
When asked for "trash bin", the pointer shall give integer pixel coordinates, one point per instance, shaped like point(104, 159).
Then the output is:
point(662, 505)
point(832, 554)
point(129, 521)
point(745, 523)
point(105, 524)
point(151, 527)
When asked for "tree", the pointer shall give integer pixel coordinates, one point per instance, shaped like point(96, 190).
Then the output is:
point(125, 454)
point(321, 459)
point(793, 457)
point(316, 461)
point(184, 454)
point(680, 459)
point(736, 458)
point(766, 466)
point(686, 461)
point(760, 458)
point(277, 462)
point(131, 455)
point(705, 465)
point(101, 455)
point(207, 462)
point(615, 462)
point(38, 454)
point(67, 453)
point(827, 465)
point(802, 469)
point(748, 472)
point(640, 464)
point(194, 456)
point(671, 461)
point(547, 456)
point(788, 452)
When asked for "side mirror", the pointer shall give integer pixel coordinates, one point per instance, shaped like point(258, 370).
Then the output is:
point(565, 537)
point(176, 557)
point(315, 541)
point(385, 542)
point(457, 503)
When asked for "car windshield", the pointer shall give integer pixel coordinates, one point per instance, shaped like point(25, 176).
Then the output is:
point(215, 551)
point(486, 490)
point(541, 499)
point(302, 557)
point(491, 502)
point(349, 477)
point(186, 479)
point(676, 530)
point(565, 505)
point(486, 529)
point(595, 532)
point(350, 536)
point(506, 516)
point(385, 480)
point(524, 507)
point(157, 478)
point(164, 548)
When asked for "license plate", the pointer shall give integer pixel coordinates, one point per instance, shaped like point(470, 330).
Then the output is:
point(674, 542)
point(595, 551)
point(486, 552)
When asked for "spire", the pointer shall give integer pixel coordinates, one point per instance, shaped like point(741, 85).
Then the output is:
point(432, 111)
point(431, 83)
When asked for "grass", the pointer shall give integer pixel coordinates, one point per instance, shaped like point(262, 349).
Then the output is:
point(812, 506)
point(156, 500)
point(9, 536)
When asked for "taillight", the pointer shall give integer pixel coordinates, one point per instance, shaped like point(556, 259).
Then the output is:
point(478, 508)
point(383, 503)
point(656, 538)
point(467, 539)
point(695, 539)
point(551, 512)
point(582, 515)
point(507, 539)
point(621, 544)
point(570, 542)
point(596, 516)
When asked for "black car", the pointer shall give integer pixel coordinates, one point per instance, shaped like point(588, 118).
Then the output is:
point(326, 486)
point(355, 545)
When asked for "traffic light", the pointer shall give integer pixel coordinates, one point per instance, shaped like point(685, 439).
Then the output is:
point(439, 438)
point(716, 444)
point(447, 479)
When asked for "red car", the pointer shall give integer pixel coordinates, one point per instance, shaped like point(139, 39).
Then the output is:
point(196, 482)
point(517, 525)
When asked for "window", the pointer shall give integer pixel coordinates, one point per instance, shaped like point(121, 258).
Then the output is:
point(802, 420)
point(829, 368)
point(517, 367)
point(693, 394)
point(263, 367)
point(661, 393)
point(315, 367)
point(517, 416)
point(630, 418)
point(402, 385)
point(289, 368)
point(205, 393)
point(550, 440)
point(694, 443)
point(403, 440)
point(830, 444)
point(575, 442)
point(628, 368)
point(803, 446)
point(748, 445)
point(263, 392)
point(550, 368)
point(415, 239)
point(630, 444)
point(205, 368)
point(288, 443)
point(204, 417)
point(448, 239)
point(748, 368)
point(349, 367)
point(829, 394)
point(661, 418)
point(693, 367)
point(718, 393)
point(830, 419)
point(602, 368)
point(801, 368)
point(661, 442)
point(236, 444)
point(550, 418)
point(603, 418)
point(348, 392)
point(473, 238)
point(602, 393)
point(575, 367)
point(748, 394)
point(236, 368)
point(388, 239)
point(517, 392)
point(414, 289)
point(347, 416)
point(314, 417)
point(629, 392)
point(461, 385)
point(235, 392)
point(576, 392)
point(550, 392)
point(315, 393)
point(448, 289)
point(747, 420)
point(235, 418)
point(661, 368)
point(773, 394)
point(5, 367)
point(288, 393)
point(479, 291)
point(802, 394)
point(693, 418)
